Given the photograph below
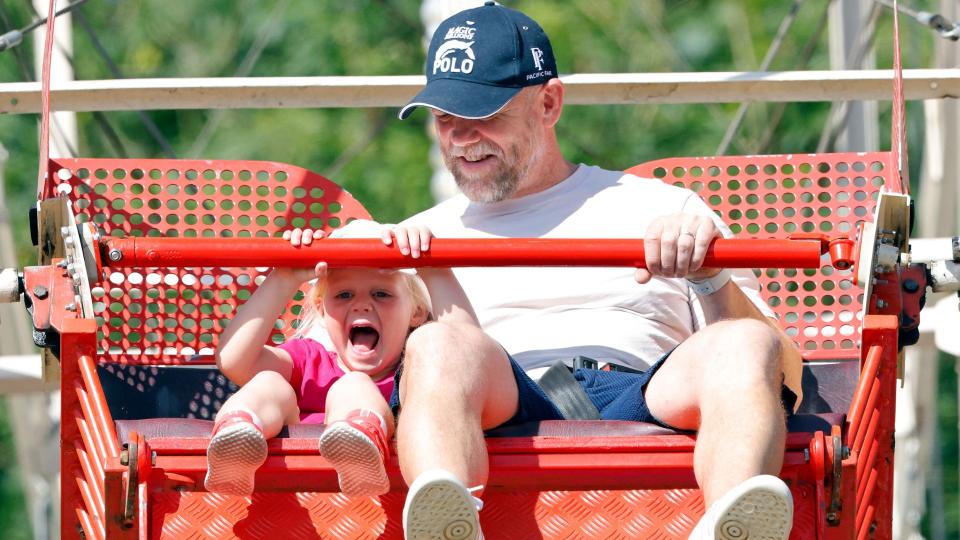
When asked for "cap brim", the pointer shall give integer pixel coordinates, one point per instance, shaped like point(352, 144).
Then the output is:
point(461, 98)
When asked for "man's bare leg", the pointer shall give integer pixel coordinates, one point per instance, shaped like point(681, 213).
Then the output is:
point(725, 382)
point(456, 383)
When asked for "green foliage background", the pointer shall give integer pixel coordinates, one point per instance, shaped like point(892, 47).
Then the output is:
point(382, 161)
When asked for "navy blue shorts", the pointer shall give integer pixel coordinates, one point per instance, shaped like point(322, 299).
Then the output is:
point(617, 395)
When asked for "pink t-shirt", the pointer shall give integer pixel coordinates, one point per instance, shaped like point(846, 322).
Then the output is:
point(315, 369)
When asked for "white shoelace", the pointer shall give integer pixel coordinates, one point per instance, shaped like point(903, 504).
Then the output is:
point(476, 500)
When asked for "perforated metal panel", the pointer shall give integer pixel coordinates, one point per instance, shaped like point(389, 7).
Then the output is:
point(168, 315)
point(777, 196)
point(177, 313)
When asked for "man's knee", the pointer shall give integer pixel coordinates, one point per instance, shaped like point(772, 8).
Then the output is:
point(444, 345)
point(745, 349)
point(452, 358)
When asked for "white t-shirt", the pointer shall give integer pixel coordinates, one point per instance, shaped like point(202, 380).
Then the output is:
point(543, 314)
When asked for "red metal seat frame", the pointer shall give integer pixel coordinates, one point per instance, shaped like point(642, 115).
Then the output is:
point(630, 486)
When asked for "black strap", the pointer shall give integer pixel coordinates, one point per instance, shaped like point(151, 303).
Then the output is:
point(585, 362)
point(567, 394)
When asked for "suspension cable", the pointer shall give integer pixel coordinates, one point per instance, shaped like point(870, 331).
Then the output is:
point(13, 38)
point(943, 26)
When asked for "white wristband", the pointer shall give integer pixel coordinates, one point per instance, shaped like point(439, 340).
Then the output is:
point(706, 287)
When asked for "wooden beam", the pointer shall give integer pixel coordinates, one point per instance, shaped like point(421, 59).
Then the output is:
point(394, 91)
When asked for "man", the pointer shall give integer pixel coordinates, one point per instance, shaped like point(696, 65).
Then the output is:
point(727, 370)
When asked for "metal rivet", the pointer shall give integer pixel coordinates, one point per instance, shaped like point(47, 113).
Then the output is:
point(115, 255)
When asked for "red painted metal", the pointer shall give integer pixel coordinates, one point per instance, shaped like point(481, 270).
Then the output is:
point(89, 431)
point(114, 494)
point(88, 524)
point(58, 293)
point(841, 253)
point(861, 396)
point(818, 466)
point(144, 459)
point(786, 196)
point(91, 498)
point(871, 439)
point(868, 486)
point(372, 253)
point(185, 446)
point(99, 412)
point(866, 426)
point(612, 487)
point(77, 341)
point(866, 532)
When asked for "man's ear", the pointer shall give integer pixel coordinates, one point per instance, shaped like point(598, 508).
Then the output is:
point(552, 101)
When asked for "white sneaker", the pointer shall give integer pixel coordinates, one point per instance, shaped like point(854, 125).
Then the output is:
point(440, 507)
point(760, 508)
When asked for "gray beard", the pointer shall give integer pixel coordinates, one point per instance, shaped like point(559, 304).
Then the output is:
point(500, 186)
point(496, 189)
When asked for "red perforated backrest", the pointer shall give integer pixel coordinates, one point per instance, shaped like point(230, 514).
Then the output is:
point(164, 315)
point(169, 315)
point(779, 195)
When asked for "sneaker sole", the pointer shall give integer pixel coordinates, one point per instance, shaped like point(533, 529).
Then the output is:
point(234, 456)
point(758, 515)
point(441, 510)
point(358, 462)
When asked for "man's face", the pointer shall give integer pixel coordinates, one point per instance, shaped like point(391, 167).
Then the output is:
point(490, 159)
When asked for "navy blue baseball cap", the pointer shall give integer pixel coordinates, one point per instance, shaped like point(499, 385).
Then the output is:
point(480, 58)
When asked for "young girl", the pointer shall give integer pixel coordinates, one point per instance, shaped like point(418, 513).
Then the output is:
point(367, 314)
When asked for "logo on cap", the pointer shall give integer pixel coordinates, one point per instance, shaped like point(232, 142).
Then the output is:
point(447, 60)
point(537, 57)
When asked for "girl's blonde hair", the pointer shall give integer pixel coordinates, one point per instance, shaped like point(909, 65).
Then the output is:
point(311, 314)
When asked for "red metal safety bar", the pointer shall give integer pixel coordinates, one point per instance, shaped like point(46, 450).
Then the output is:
point(372, 253)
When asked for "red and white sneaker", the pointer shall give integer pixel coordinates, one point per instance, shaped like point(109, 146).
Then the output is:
point(357, 448)
point(237, 449)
